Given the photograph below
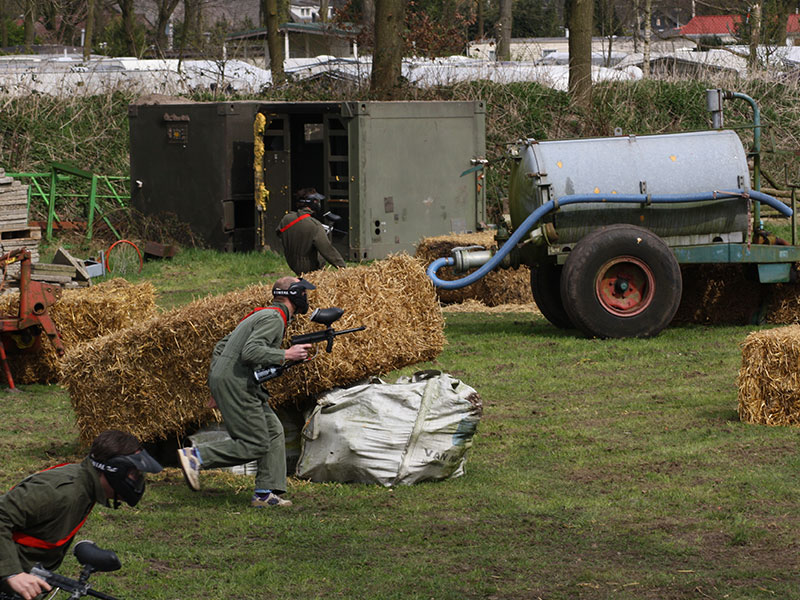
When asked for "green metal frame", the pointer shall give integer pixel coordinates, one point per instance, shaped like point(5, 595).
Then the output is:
point(49, 194)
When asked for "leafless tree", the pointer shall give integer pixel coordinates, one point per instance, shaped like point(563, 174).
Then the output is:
point(88, 29)
point(504, 31)
point(387, 55)
point(29, 18)
point(274, 41)
point(580, 15)
point(164, 10)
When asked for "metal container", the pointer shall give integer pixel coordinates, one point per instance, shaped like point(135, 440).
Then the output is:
point(683, 163)
point(394, 171)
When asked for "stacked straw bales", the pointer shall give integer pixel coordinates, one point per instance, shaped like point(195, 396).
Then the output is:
point(769, 378)
point(79, 315)
point(150, 379)
point(501, 286)
point(716, 294)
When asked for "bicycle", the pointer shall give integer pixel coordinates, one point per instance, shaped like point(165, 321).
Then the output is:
point(93, 558)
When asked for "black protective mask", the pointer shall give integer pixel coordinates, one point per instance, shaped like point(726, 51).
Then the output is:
point(117, 470)
point(297, 295)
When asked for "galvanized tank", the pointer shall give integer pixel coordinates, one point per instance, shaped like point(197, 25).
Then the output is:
point(682, 163)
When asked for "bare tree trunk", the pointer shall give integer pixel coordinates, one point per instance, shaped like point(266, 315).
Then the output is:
point(755, 36)
point(637, 15)
point(504, 31)
point(3, 24)
point(580, 20)
point(323, 11)
point(126, 8)
point(368, 14)
point(387, 56)
point(28, 20)
point(480, 17)
point(648, 12)
point(88, 32)
point(165, 8)
point(274, 42)
point(191, 24)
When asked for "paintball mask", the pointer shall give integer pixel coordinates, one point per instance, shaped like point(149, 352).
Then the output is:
point(125, 475)
point(297, 295)
point(313, 200)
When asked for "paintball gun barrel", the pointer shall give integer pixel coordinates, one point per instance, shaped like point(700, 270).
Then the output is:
point(324, 316)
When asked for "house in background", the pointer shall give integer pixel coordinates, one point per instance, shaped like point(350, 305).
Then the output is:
point(307, 11)
point(723, 27)
point(300, 40)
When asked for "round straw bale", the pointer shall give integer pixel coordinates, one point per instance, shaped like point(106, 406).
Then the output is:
point(769, 378)
point(501, 286)
point(79, 315)
point(150, 379)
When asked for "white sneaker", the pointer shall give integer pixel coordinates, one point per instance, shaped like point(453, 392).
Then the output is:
point(269, 500)
point(190, 465)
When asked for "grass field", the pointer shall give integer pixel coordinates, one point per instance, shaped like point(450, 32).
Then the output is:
point(601, 469)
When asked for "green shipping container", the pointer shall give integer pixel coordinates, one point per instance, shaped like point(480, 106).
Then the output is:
point(394, 171)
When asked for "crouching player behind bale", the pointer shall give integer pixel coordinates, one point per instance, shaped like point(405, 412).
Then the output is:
point(255, 431)
point(41, 515)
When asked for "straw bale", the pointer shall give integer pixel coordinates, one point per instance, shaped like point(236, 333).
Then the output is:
point(501, 286)
point(784, 304)
point(769, 378)
point(473, 306)
point(150, 379)
point(79, 315)
point(716, 294)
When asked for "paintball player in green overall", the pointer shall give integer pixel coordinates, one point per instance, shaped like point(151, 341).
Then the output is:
point(41, 515)
point(304, 238)
point(255, 431)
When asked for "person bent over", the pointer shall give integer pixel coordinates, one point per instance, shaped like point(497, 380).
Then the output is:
point(255, 431)
point(40, 516)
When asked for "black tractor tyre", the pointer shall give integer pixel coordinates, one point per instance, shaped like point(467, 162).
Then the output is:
point(546, 290)
point(621, 281)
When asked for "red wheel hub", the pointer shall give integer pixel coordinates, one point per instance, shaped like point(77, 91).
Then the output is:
point(625, 286)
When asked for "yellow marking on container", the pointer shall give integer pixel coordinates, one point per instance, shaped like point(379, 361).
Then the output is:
point(559, 164)
point(596, 190)
point(673, 158)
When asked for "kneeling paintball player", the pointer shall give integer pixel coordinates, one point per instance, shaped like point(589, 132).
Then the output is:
point(41, 515)
point(255, 431)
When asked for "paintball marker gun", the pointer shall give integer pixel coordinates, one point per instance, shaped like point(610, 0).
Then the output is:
point(93, 558)
point(324, 316)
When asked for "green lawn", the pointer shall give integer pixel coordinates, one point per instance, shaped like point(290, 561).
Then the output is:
point(601, 469)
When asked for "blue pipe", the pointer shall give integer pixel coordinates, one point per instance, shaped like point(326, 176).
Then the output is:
point(551, 205)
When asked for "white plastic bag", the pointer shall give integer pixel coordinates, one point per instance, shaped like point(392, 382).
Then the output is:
point(418, 429)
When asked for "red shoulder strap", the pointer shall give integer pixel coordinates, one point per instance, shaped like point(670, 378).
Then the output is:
point(300, 218)
point(28, 540)
point(255, 310)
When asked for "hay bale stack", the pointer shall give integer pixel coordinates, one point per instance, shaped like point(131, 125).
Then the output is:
point(501, 286)
point(80, 314)
point(784, 304)
point(769, 378)
point(715, 294)
point(150, 379)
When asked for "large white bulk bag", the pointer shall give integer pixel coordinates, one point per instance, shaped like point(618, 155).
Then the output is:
point(417, 429)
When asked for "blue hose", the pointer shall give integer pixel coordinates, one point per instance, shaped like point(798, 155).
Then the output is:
point(550, 205)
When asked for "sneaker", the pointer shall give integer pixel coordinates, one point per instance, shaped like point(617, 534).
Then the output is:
point(190, 465)
point(270, 499)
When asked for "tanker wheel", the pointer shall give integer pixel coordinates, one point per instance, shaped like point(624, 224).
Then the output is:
point(546, 290)
point(621, 281)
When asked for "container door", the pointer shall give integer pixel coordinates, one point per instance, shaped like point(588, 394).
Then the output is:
point(277, 176)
